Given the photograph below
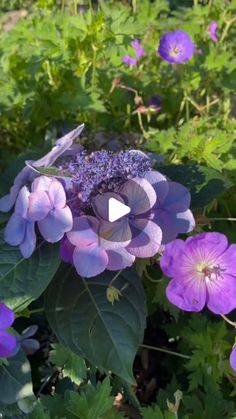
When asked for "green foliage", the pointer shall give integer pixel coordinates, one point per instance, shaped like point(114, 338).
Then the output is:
point(72, 365)
point(87, 323)
point(15, 379)
point(24, 280)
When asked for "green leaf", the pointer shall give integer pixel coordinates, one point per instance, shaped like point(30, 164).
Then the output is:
point(84, 320)
point(15, 379)
point(93, 403)
point(23, 280)
point(205, 184)
point(73, 366)
point(152, 412)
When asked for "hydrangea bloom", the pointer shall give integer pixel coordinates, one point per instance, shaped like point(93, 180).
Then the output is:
point(232, 358)
point(203, 272)
point(139, 53)
point(176, 47)
point(73, 208)
point(8, 342)
point(212, 31)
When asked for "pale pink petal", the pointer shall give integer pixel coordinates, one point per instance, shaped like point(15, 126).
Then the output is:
point(57, 194)
point(41, 183)
point(39, 205)
point(83, 231)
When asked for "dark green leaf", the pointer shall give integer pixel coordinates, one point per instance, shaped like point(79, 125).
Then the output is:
point(15, 379)
point(83, 319)
point(73, 366)
point(23, 280)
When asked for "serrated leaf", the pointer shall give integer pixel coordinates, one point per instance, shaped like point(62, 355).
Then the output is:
point(84, 320)
point(152, 412)
point(73, 366)
point(23, 280)
point(15, 379)
point(91, 404)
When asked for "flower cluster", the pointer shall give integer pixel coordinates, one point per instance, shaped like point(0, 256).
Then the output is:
point(139, 53)
point(72, 208)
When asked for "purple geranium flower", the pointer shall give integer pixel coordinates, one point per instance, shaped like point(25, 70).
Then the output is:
point(212, 31)
point(8, 342)
point(63, 146)
point(139, 53)
point(47, 206)
point(20, 230)
point(203, 272)
point(176, 47)
point(171, 211)
point(129, 60)
point(232, 358)
point(25, 341)
point(82, 246)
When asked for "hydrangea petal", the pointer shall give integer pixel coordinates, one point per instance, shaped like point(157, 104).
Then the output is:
point(159, 183)
point(178, 198)
point(41, 183)
point(100, 204)
point(118, 232)
point(66, 250)
point(189, 294)
point(57, 194)
point(119, 259)
point(147, 242)
point(221, 294)
point(140, 195)
point(39, 205)
point(83, 231)
point(22, 202)
point(7, 316)
point(57, 222)
point(15, 230)
point(90, 260)
point(28, 244)
point(7, 344)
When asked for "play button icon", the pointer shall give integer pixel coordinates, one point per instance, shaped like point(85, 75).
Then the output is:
point(116, 210)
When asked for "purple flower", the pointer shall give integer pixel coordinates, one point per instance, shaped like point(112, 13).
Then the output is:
point(232, 358)
point(8, 342)
point(47, 206)
point(171, 211)
point(154, 103)
point(20, 230)
point(176, 47)
point(25, 341)
point(63, 146)
point(212, 31)
point(140, 235)
point(82, 246)
point(129, 60)
point(139, 53)
point(203, 272)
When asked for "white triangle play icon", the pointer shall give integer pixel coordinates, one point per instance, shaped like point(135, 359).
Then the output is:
point(116, 210)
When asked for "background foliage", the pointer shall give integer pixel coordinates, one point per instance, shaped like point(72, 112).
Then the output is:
point(60, 65)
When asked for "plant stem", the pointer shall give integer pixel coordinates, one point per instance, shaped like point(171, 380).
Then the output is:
point(226, 29)
point(36, 310)
point(94, 64)
point(166, 351)
point(228, 320)
point(75, 7)
point(222, 219)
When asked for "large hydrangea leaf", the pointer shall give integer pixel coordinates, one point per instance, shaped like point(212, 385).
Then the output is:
point(85, 321)
point(15, 379)
point(24, 280)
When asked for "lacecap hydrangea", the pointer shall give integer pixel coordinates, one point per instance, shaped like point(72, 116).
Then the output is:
point(71, 207)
